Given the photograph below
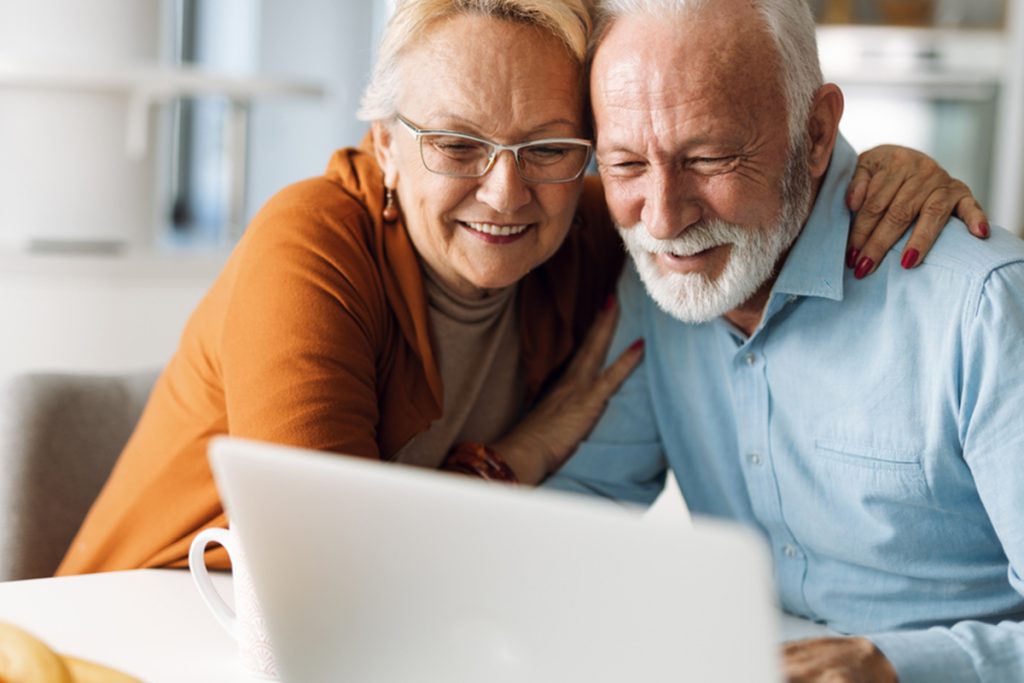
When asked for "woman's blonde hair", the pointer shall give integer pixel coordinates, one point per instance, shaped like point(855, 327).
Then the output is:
point(567, 20)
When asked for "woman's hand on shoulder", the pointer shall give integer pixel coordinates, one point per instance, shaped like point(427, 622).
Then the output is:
point(550, 433)
point(894, 186)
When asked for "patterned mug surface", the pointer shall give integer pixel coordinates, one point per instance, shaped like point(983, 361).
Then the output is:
point(245, 623)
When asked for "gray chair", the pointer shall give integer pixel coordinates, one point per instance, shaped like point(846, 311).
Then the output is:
point(60, 435)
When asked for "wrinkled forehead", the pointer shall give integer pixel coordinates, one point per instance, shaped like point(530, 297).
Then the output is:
point(697, 55)
point(492, 67)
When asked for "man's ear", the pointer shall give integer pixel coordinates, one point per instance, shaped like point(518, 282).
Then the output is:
point(823, 127)
point(383, 149)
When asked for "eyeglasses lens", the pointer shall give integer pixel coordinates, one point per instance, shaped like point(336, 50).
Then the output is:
point(467, 158)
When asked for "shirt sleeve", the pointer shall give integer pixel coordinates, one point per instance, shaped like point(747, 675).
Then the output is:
point(301, 335)
point(992, 436)
point(622, 458)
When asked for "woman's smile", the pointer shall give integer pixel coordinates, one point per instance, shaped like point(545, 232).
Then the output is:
point(488, 231)
point(496, 233)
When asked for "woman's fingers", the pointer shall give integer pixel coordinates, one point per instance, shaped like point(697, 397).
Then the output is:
point(616, 373)
point(911, 201)
point(880, 191)
point(880, 173)
point(576, 407)
point(934, 215)
point(543, 439)
point(858, 188)
point(931, 214)
point(970, 212)
point(591, 355)
point(585, 375)
point(894, 188)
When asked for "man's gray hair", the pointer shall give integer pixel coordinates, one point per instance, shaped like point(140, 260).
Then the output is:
point(789, 22)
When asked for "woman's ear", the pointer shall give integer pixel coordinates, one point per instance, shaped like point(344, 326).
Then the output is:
point(383, 149)
point(823, 127)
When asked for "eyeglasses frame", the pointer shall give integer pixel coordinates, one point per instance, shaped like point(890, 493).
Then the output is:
point(496, 149)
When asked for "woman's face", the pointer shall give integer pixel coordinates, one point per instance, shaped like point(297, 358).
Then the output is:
point(505, 82)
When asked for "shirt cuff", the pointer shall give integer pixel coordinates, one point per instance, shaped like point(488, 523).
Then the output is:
point(929, 656)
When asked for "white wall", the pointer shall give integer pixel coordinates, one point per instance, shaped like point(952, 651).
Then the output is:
point(322, 41)
point(92, 313)
point(95, 313)
point(1009, 179)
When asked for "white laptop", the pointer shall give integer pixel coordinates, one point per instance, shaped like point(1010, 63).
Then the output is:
point(371, 571)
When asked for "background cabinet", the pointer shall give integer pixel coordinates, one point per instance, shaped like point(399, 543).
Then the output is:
point(944, 76)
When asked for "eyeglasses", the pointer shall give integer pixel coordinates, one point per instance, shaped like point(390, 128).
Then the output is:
point(459, 155)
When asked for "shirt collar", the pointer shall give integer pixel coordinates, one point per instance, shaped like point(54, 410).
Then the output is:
point(815, 264)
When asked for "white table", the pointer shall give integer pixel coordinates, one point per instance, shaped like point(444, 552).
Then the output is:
point(152, 623)
point(149, 623)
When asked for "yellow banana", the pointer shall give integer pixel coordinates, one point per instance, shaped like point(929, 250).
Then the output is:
point(83, 671)
point(26, 659)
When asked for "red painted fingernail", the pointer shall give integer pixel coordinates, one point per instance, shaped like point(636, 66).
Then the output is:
point(609, 303)
point(851, 257)
point(863, 268)
point(983, 229)
point(910, 258)
point(637, 345)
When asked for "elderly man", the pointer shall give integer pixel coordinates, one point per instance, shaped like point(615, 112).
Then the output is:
point(871, 429)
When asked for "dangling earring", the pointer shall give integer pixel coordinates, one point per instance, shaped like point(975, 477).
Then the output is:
point(390, 212)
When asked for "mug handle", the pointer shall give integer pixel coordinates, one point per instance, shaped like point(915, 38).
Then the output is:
point(201, 575)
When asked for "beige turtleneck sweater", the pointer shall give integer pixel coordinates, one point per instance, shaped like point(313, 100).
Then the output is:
point(476, 344)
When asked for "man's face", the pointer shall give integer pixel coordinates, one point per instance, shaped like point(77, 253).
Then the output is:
point(692, 145)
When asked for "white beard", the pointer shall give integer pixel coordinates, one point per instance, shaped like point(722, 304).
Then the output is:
point(755, 252)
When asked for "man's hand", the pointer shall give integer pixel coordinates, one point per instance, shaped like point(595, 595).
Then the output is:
point(836, 660)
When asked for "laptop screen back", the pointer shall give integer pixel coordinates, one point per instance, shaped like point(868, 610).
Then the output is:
point(369, 571)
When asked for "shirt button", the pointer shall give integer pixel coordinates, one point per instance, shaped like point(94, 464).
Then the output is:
point(755, 458)
point(791, 298)
point(751, 359)
point(790, 551)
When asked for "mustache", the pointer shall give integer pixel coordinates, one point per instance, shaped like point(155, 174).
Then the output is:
point(697, 238)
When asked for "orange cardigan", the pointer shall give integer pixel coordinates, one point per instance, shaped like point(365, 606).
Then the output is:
point(316, 335)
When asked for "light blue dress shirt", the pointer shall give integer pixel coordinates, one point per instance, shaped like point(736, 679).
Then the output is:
point(872, 430)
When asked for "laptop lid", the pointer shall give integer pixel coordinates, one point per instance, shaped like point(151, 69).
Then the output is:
point(370, 571)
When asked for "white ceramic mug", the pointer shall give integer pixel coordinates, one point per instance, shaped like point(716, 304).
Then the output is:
point(245, 623)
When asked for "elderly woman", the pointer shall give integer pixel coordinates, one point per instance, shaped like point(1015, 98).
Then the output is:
point(421, 302)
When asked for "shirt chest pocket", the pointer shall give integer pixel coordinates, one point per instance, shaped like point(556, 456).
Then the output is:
point(869, 477)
